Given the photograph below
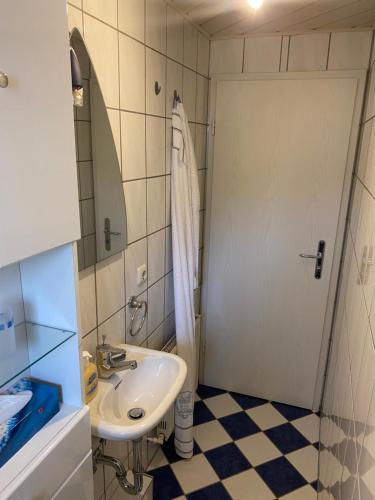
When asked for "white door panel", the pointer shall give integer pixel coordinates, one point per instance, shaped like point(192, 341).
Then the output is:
point(279, 161)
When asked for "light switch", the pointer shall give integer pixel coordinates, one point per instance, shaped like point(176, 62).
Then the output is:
point(141, 274)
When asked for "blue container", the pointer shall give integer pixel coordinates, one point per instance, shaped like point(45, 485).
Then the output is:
point(16, 431)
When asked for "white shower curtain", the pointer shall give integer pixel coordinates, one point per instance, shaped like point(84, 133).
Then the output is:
point(185, 238)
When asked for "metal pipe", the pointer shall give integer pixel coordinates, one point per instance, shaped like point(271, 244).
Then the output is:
point(121, 472)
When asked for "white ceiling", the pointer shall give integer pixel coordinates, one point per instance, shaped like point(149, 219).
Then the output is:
point(222, 18)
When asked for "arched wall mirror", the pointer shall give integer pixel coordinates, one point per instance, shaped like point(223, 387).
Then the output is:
point(101, 194)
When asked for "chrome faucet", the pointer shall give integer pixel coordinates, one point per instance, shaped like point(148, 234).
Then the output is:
point(110, 359)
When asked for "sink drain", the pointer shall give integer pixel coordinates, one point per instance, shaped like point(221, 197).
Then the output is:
point(136, 413)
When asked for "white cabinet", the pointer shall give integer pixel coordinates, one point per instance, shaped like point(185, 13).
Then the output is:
point(54, 459)
point(38, 185)
point(79, 484)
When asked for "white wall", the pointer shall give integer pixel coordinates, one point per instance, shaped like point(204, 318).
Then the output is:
point(132, 43)
point(347, 456)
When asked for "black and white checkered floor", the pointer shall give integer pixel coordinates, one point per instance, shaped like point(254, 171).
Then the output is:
point(246, 448)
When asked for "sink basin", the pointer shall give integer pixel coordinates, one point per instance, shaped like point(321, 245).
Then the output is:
point(152, 387)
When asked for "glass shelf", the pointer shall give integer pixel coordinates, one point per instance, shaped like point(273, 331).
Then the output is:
point(25, 346)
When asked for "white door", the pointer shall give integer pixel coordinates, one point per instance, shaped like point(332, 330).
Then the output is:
point(279, 161)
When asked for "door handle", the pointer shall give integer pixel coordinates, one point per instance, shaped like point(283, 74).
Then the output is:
point(319, 257)
point(307, 256)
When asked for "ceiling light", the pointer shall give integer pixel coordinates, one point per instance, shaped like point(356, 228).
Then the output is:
point(255, 4)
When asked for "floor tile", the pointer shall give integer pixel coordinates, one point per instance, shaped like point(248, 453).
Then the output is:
point(222, 405)
point(248, 485)
point(286, 438)
point(280, 476)
point(304, 493)
point(214, 492)
point(308, 426)
point(247, 402)
point(211, 435)
point(291, 412)
point(195, 473)
point(205, 391)
point(227, 460)
point(258, 449)
point(239, 425)
point(266, 416)
point(170, 451)
point(305, 461)
point(201, 413)
point(165, 484)
point(159, 460)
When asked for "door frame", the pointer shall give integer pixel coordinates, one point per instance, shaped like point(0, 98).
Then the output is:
point(360, 76)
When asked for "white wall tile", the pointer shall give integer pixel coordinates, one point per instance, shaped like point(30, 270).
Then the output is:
point(141, 336)
point(114, 329)
point(350, 50)
point(203, 54)
point(168, 200)
point(155, 71)
point(175, 34)
point(262, 54)
point(168, 145)
point(133, 134)
point(89, 342)
point(190, 45)
point(226, 56)
point(169, 294)
point(75, 18)
point(202, 186)
point(174, 82)
point(87, 299)
point(110, 286)
point(132, 74)
point(135, 196)
point(135, 256)
point(308, 52)
point(155, 204)
point(189, 92)
point(156, 305)
point(77, 3)
point(88, 216)
point(156, 256)
point(168, 249)
point(155, 145)
point(114, 120)
point(84, 141)
point(202, 99)
point(156, 22)
point(105, 11)
point(156, 340)
point(102, 44)
point(131, 18)
point(11, 291)
point(200, 145)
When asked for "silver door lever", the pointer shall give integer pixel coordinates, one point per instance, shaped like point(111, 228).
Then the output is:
point(319, 255)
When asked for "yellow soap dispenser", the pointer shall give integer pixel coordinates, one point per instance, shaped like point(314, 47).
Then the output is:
point(90, 377)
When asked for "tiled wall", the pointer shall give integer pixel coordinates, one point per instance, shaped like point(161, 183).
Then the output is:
point(347, 456)
point(132, 44)
point(274, 53)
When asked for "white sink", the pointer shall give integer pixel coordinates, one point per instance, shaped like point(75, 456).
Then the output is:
point(153, 386)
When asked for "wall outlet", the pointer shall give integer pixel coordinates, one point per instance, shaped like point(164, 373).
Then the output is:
point(141, 274)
